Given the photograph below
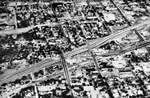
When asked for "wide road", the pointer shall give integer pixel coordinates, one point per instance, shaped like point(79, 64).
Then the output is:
point(101, 41)
point(24, 30)
point(96, 43)
point(128, 49)
point(71, 67)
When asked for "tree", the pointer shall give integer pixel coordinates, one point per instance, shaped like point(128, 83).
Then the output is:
point(24, 77)
point(17, 81)
point(35, 74)
point(126, 2)
point(41, 72)
point(4, 84)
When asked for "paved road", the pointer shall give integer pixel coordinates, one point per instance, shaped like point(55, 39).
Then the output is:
point(128, 49)
point(137, 46)
point(22, 30)
point(82, 49)
point(47, 76)
point(59, 73)
point(101, 41)
point(71, 67)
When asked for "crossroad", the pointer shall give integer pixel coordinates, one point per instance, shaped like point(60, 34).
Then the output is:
point(100, 41)
point(129, 23)
point(85, 63)
point(71, 67)
point(128, 49)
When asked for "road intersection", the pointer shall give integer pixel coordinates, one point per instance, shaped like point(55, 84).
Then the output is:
point(48, 62)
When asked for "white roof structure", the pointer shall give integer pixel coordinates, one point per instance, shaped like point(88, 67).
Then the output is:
point(109, 17)
point(46, 88)
point(71, 61)
point(82, 3)
point(107, 73)
point(146, 67)
point(119, 64)
point(140, 51)
point(148, 87)
point(126, 74)
point(145, 33)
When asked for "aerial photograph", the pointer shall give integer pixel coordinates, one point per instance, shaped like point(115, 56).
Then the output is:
point(74, 48)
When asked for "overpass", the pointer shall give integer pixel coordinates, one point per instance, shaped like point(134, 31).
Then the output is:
point(128, 49)
point(100, 41)
point(71, 67)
